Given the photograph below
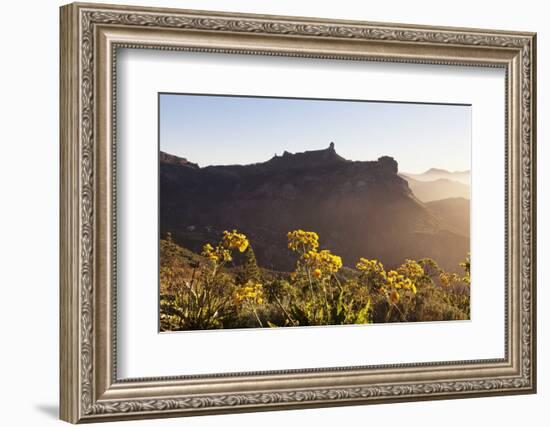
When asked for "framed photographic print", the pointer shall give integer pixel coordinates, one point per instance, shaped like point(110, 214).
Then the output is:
point(266, 212)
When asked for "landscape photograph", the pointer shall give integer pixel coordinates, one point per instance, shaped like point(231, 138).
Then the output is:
point(298, 212)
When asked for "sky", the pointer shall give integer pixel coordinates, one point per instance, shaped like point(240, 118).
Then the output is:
point(223, 130)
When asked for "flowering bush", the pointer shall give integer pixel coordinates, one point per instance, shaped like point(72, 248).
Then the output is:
point(212, 290)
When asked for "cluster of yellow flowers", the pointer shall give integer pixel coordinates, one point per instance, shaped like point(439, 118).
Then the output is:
point(323, 262)
point(234, 240)
point(411, 269)
point(393, 281)
point(217, 254)
point(222, 252)
point(306, 243)
point(371, 265)
point(303, 241)
point(313, 294)
point(448, 278)
point(399, 281)
point(250, 292)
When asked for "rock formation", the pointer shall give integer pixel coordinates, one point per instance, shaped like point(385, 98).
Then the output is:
point(358, 208)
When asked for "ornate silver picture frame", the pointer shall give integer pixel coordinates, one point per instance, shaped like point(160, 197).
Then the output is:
point(91, 36)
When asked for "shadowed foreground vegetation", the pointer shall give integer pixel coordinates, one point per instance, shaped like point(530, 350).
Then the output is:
point(224, 288)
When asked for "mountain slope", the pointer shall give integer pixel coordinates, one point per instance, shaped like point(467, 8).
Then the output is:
point(357, 208)
point(454, 214)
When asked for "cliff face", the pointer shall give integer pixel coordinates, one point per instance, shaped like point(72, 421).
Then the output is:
point(357, 208)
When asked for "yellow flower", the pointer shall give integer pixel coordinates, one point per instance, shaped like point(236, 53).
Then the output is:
point(448, 278)
point(216, 254)
point(392, 277)
point(323, 261)
point(226, 255)
point(317, 272)
point(398, 281)
point(329, 262)
point(394, 296)
point(235, 240)
point(370, 265)
point(411, 269)
point(305, 241)
point(209, 252)
point(207, 249)
point(407, 283)
point(250, 292)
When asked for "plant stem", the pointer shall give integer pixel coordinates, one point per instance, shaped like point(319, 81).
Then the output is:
point(284, 311)
point(257, 317)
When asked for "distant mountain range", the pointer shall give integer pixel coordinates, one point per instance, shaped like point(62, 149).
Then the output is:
point(438, 184)
point(359, 209)
point(435, 174)
point(428, 191)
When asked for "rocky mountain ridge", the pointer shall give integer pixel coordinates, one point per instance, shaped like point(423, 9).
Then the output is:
point(358, 208)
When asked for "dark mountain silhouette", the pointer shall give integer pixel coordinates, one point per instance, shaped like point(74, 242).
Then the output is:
point(169, 159)
point(359, 209)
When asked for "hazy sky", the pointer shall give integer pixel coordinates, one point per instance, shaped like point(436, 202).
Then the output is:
point(222, 130)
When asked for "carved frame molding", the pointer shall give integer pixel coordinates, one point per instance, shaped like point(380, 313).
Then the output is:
point(90, 36)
